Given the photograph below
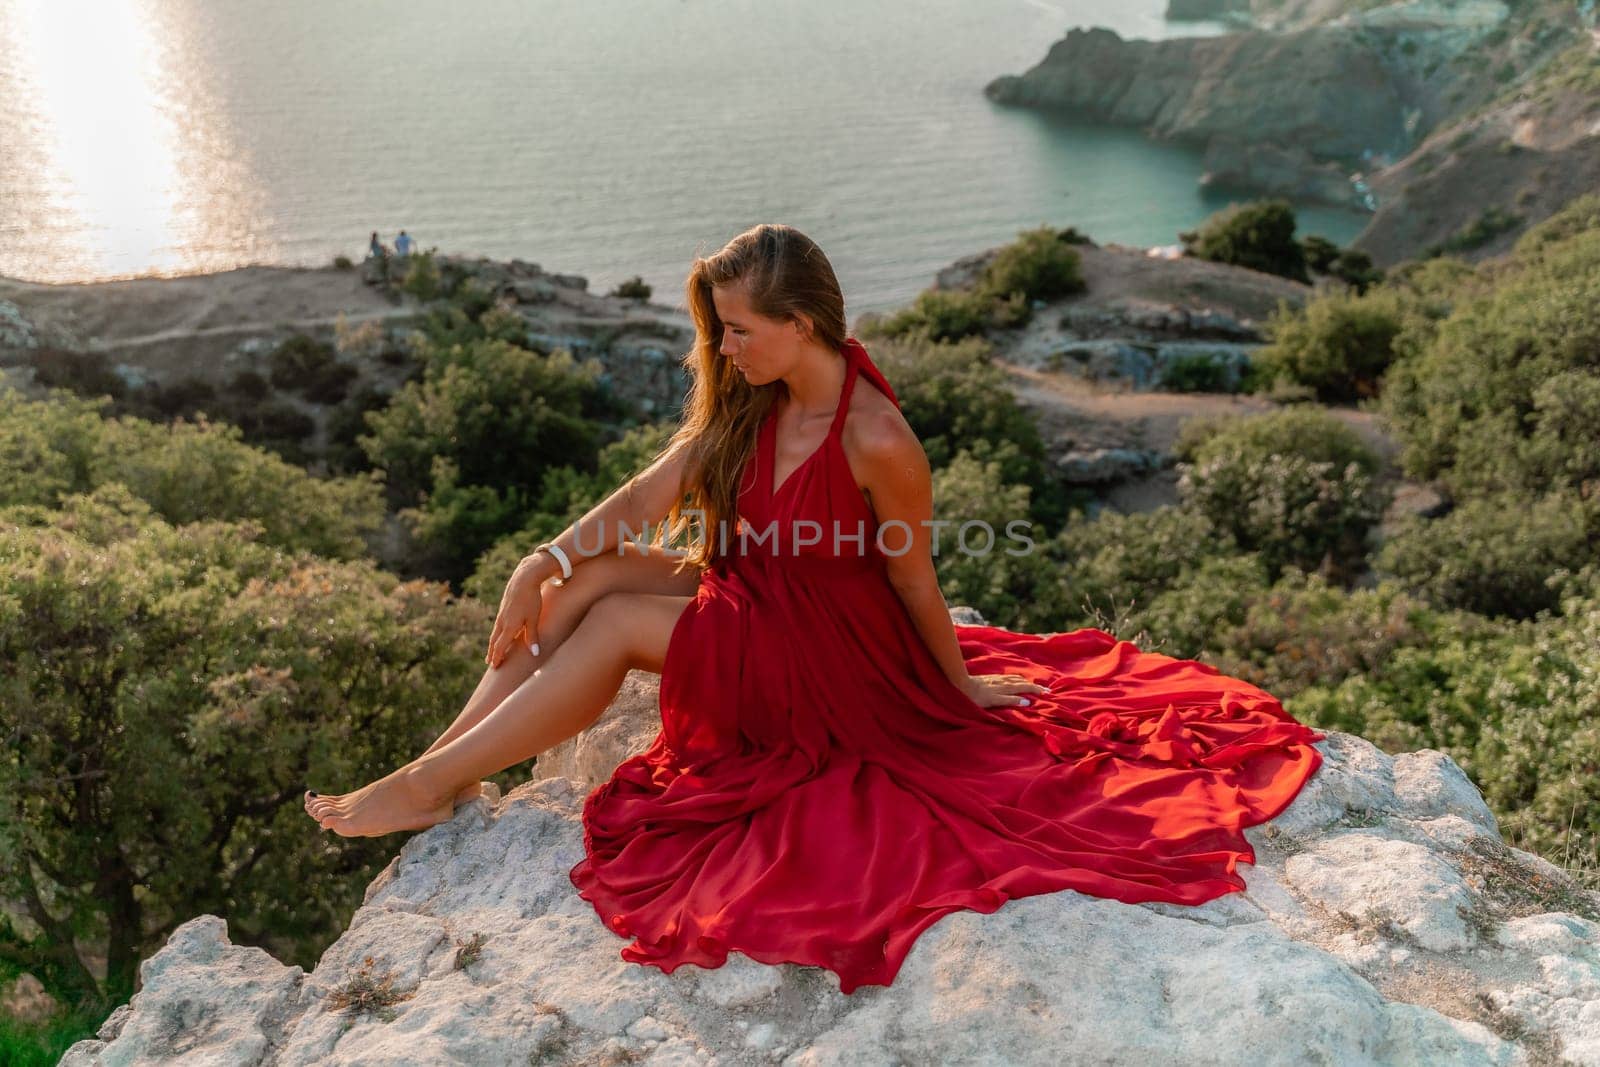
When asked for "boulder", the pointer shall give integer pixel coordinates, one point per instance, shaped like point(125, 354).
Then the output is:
point(1383, 921)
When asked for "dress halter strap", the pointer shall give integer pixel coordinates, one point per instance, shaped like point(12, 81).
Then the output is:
point(844, 394)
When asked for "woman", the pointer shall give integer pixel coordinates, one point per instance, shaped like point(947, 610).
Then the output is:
point(838, 764)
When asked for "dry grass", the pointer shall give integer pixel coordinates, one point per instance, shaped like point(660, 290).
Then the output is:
point(369, 993)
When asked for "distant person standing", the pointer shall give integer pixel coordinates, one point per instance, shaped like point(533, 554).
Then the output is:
point(375, 248)
point(402, 245)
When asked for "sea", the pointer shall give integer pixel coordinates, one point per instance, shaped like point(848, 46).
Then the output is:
point(607, 138)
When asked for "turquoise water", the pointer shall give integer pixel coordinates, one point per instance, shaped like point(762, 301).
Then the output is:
point(175, 136)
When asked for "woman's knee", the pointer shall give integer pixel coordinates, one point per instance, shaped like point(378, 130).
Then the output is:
point(635, 626)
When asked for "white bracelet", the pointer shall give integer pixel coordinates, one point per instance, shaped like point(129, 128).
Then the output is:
point(561, 557)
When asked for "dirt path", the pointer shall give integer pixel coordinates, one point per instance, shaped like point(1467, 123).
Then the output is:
point(1073, 414)
point(254, 328)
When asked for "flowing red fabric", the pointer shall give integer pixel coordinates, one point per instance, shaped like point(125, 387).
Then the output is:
point(820, 793)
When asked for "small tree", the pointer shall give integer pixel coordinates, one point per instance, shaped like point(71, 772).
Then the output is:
point(633, 289)
point(1258, 235)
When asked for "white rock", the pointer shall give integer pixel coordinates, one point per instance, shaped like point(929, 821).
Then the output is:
point(1368, 875)
point(1058, 978)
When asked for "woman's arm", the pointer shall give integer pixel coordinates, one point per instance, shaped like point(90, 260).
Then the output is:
point(643, 499)
point(901, 486)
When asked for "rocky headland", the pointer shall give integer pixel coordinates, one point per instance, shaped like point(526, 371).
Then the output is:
point(1096, 370)
point(197, 335)
point(1384, 920)
point(1335, 101)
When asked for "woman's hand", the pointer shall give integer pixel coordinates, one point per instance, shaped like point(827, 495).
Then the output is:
point(996, 690)
point(518, 620)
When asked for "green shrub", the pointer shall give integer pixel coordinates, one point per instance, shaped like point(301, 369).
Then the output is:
point(55, 448)
point(1116, 564)
point(1355, 268)
point(1513, 704)
point(991, 557)
point(1294, 485)
point(565, 495)
point(248, 385)
point(1214, 596)
point(468, 444)
point(940, 314)
point(1258, 235)
point(422, 276)
point(957, 399)
point(1497, 555)
point(633, 289)
point(1581, 215)
point(343, 263)
point(1292, 510)
point(200, 680)
point(1319, 252)
point(311, 368)
point(1308, 432)
point(1497, 396)
point(84, 373)
point(1490, 223)
point(1305, 631)
point(1340, 343)
point(178, 398)
point(1041, 264)
point(1197, 372)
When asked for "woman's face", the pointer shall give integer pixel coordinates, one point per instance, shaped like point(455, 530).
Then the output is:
point(762, 348)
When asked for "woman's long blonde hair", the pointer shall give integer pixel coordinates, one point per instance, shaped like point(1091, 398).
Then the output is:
point(783, 272)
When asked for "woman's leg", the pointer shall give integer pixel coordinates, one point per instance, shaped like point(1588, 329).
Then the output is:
point(633, 569)
point(620, 632)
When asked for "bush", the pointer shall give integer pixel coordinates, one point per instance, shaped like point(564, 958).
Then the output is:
point(422, 278)
point(84, 373)
point(52, 449)
point(1041, 264)
point(1258, 235)
point(470, 442)
point(1292, 510)
point(342, 262)
point(1497, 555)
point(1295, 486)
point(1355, 268)
point(940, 315)
point(1340, 344)
point(998, 563)
point(1490, 223)
point(1319, 252)
point(1305, 632)
point(1115, 564)
point(957, 399)
point(1197, 372)
point(1498, 395)
point(311, 368)
point(1513, 705)
point(1308, 432)
point(633, 289)
point(1581, 215)
point(565, 495)
point(199, 679)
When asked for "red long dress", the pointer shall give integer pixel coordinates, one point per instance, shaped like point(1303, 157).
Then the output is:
point(820, 793)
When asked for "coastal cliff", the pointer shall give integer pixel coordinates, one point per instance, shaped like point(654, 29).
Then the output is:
point(1349, 104)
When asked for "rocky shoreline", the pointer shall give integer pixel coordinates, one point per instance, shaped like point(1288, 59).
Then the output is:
point(1097, 371)
point(1348, 104)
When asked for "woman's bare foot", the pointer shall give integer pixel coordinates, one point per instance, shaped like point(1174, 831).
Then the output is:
point(398, 801)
